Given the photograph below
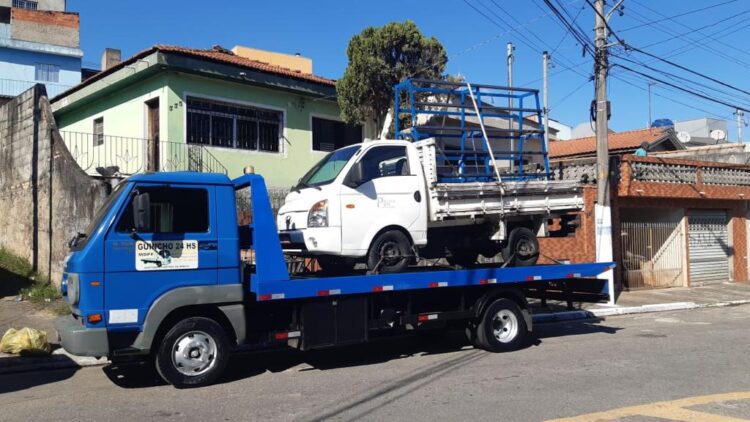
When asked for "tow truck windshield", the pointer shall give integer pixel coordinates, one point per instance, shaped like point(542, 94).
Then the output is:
point(327, 169)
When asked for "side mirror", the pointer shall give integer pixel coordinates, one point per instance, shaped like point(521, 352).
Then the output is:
point(142, 212)
point(355, 176)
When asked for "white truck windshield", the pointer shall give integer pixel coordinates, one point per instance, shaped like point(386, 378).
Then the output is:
point(328, 168)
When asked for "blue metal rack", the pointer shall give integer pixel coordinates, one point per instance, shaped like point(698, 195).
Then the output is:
point(463, 153)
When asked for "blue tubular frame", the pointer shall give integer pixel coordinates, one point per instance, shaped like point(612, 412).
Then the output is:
point(464, 157)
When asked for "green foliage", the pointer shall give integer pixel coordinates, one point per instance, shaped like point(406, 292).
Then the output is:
point(15, 265)
point(379, 58)
point(40, 292)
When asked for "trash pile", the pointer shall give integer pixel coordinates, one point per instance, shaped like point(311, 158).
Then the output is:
point(26, 341)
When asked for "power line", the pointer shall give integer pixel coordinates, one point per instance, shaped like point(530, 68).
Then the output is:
point(679, 66)
point(697, 94)
point(606, 24)
point(676, 16)
point(621, 77)
point(695, 42)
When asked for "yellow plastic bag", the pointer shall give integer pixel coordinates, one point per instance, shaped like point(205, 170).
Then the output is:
point(25, 341)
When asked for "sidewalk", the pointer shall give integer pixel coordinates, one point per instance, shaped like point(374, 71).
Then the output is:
point(657, 300)
point(15, 314)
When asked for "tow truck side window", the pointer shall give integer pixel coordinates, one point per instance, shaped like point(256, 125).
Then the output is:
point(385, 162)
point(173, 210)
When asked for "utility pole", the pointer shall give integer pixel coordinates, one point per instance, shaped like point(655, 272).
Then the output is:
point(509, 58)
point(740, 123)
point(649, 106)
point(602, 213)
point(545, 69)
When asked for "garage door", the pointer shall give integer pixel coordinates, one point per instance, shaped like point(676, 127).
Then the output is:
point(709, 246)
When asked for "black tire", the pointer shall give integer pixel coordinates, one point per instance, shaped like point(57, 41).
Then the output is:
point(502, 327)
point(335, 265)
point(522, 249)
point(390, 252)
point(203, 342)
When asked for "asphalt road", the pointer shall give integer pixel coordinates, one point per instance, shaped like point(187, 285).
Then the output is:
point(573, 369)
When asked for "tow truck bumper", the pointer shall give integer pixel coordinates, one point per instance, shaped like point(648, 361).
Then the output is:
point(80, 340)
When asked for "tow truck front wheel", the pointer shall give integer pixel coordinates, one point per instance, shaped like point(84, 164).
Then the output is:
point(193, 353)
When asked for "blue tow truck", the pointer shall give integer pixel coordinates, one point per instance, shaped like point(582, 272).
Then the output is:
point(159, 274)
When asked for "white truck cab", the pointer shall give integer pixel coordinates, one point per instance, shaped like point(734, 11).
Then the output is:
point(352, 195)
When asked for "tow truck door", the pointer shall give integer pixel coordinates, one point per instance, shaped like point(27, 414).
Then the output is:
point(181, 250)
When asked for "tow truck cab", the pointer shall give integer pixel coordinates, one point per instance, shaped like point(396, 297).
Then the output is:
point(123, 263)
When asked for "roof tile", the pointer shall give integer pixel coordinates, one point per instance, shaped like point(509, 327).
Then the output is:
point(620, 141)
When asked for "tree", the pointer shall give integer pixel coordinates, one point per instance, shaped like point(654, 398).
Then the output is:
point(379, 58)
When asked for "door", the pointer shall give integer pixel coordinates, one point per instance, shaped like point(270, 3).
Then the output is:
point(152, 117)
point(389, 195)
point(652, 253)
point(709, 248)
point(180, 250)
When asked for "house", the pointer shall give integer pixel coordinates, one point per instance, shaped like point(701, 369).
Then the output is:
point(39, 43)
point(619, 143)
point(679, 216)
point(701, 132)
point(177, 108)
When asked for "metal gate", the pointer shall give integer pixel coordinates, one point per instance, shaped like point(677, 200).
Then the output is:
point(709, 246)
point(652, 254)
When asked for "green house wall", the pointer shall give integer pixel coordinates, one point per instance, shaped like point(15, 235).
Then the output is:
point(124, 113)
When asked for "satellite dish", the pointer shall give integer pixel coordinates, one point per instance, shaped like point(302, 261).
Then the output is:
point(683, 136)
point(718, 135)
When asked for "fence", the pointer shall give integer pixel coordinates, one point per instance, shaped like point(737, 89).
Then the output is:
point(12, 87)
point(652, 254)
point(131, 155)
point(664, 172)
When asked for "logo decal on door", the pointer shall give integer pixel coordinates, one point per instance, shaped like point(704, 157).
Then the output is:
point(166, 255)
point(386, 203)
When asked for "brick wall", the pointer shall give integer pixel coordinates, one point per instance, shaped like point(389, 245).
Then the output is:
point(56, 28)
point(580, 247)
point(44, 195)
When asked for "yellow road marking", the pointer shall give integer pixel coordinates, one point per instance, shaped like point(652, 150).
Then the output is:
point(674, 410)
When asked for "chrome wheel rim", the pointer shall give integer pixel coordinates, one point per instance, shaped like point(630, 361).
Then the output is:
point(505, 326)
point(194, 353)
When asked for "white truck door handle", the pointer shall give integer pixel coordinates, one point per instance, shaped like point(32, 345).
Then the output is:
point(417, 196)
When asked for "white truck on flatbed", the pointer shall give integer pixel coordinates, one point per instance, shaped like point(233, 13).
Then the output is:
point(387, 202)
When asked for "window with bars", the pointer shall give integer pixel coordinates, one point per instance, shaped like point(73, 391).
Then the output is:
point(47, 72)
point(25, 4)
point(330, 135)
point(99, 131)
point(230, 125)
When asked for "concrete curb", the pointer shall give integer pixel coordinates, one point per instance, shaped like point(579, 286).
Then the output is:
point(59, 359)
point(628, 310)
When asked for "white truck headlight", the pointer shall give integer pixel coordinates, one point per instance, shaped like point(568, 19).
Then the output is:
point(318, 215)
point(74, 288)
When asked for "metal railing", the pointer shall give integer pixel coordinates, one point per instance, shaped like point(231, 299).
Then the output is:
point(12, 87)
point(689, 174)
point(133, 155)
point(652, 254)
point(666, 173)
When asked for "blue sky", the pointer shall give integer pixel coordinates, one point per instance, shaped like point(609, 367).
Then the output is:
point(712, 41)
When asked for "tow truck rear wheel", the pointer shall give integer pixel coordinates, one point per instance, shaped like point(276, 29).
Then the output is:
point(193, 353)
point(502, 327)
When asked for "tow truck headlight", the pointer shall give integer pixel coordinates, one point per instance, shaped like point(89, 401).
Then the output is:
point(74, 289)
point(318, 215)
